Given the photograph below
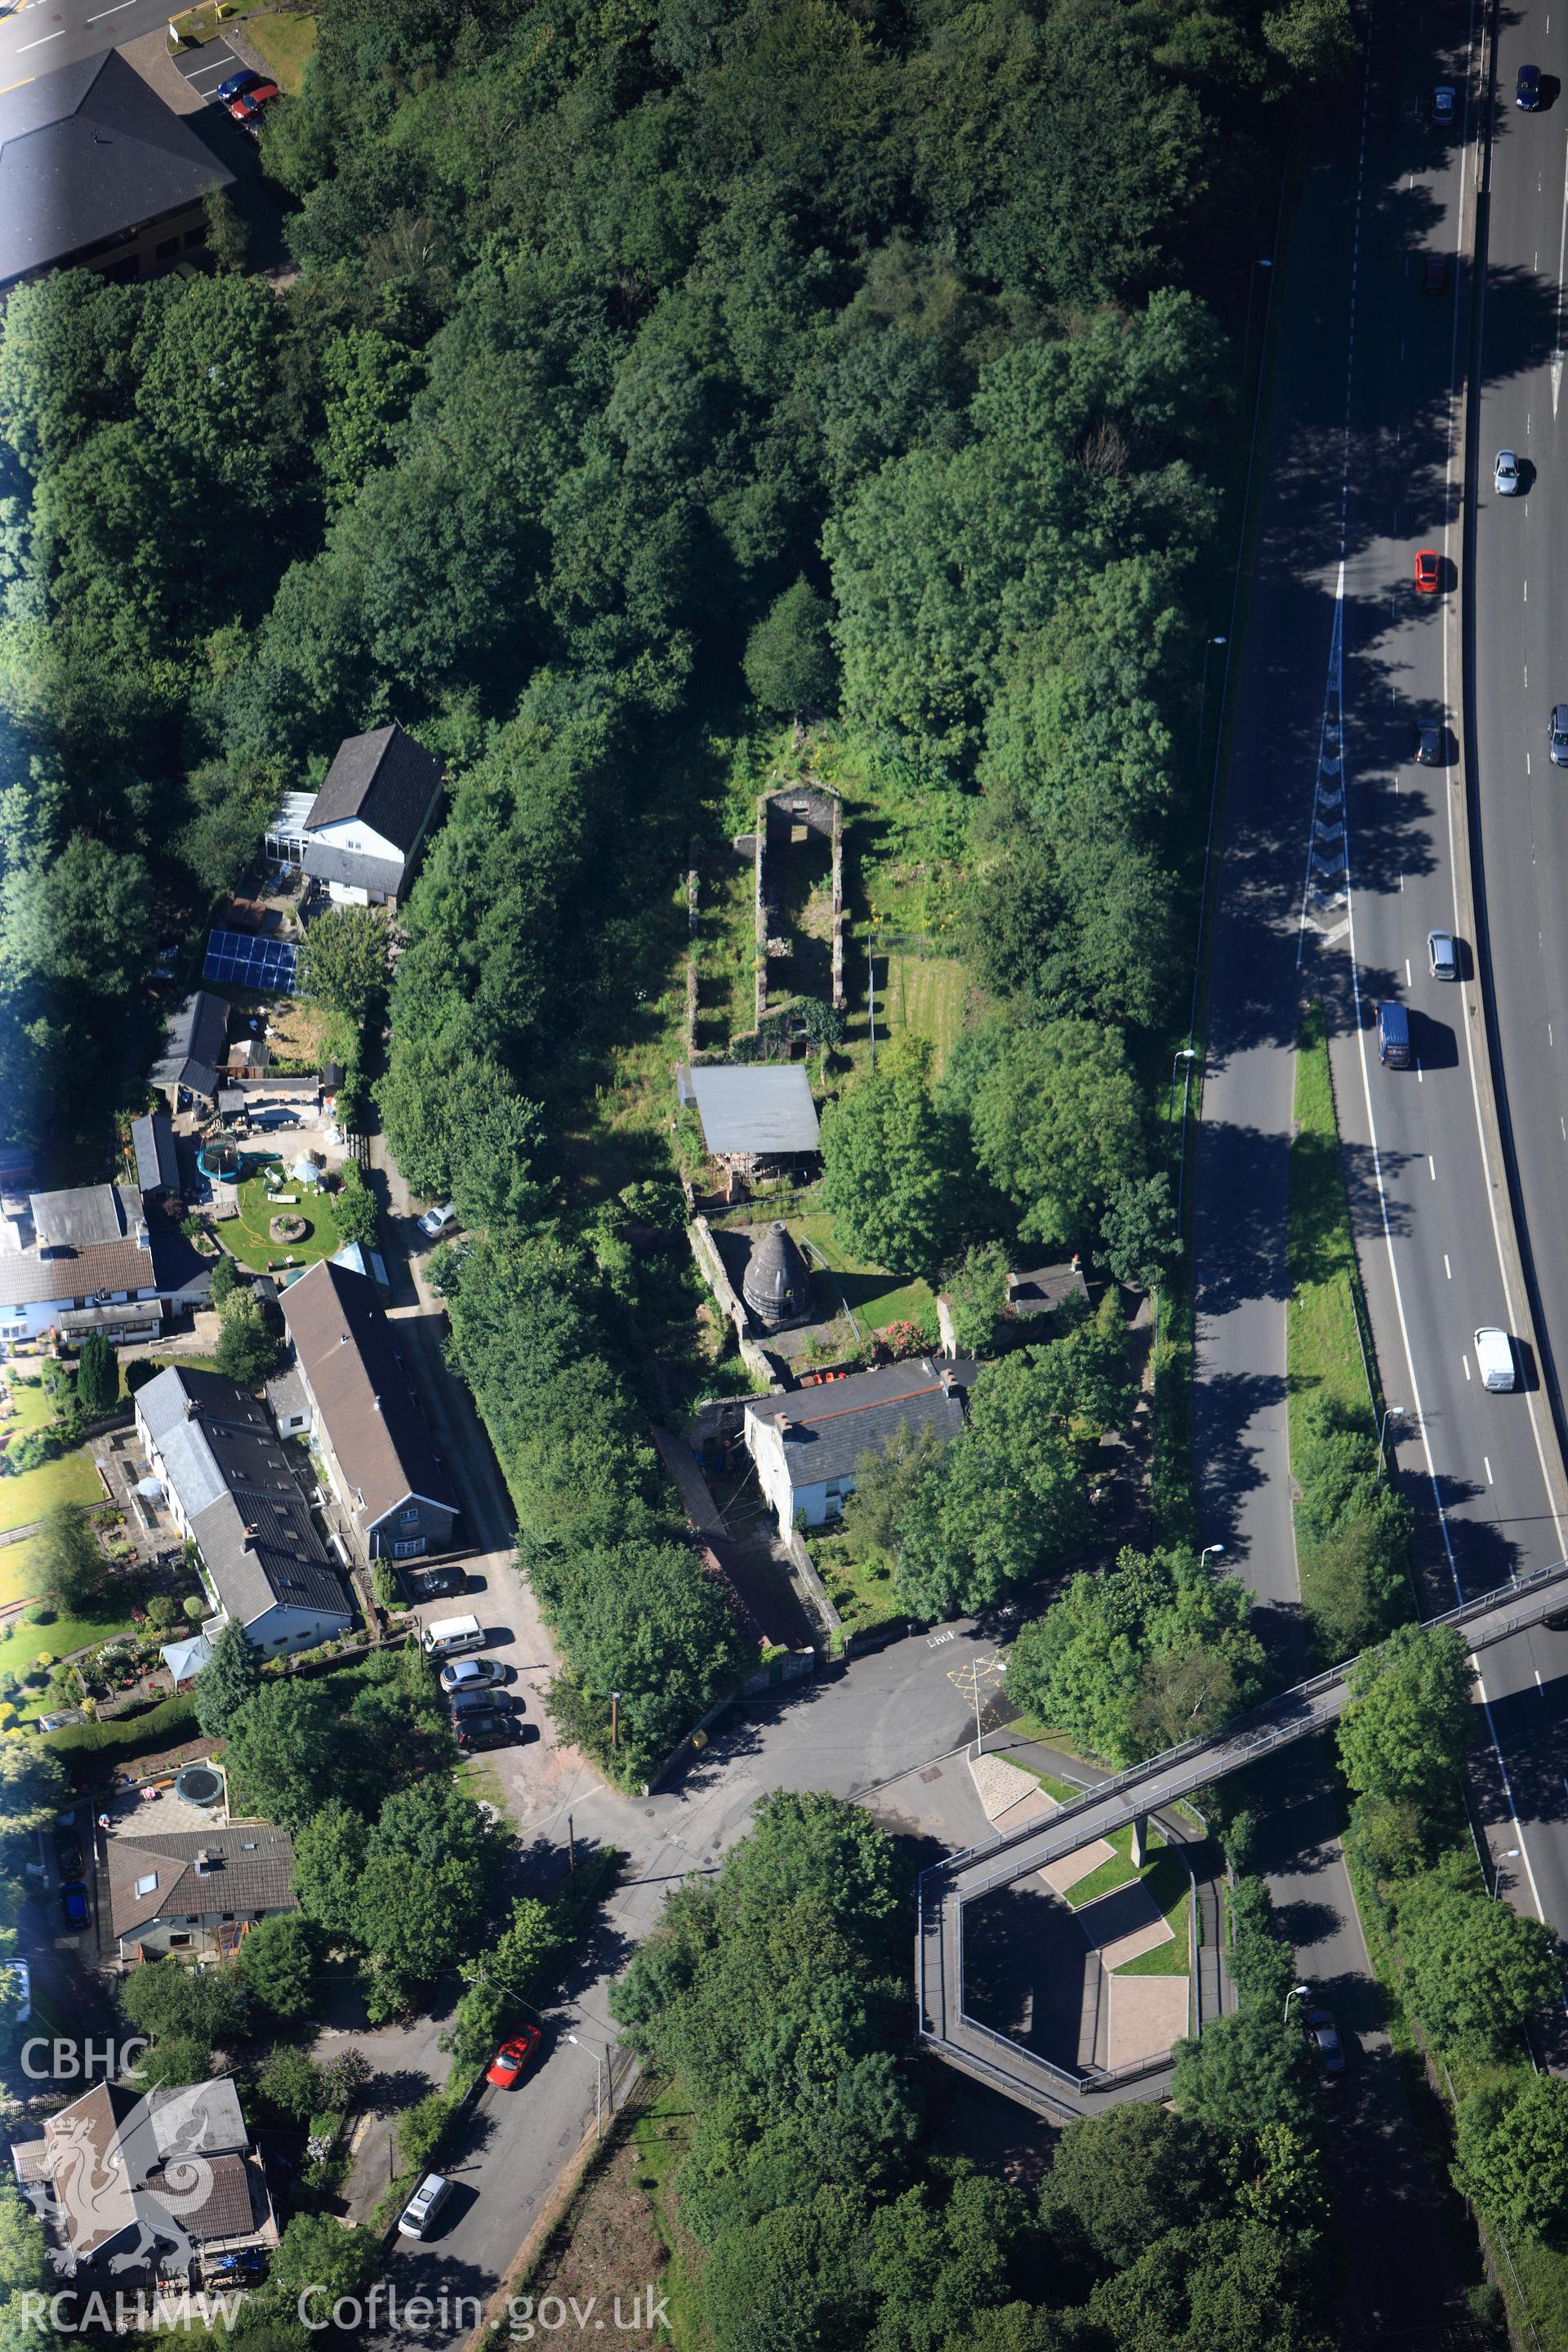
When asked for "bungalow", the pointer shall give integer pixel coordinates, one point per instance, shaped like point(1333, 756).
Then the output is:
point(171, 2172)
point(78, 1262)
point(195, 1891)
point(366, 1416)
point(370, 816)
point(806, 1445)
point(195, 1049)
point(231, 1492)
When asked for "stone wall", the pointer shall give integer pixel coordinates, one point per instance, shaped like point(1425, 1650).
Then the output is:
point(778, 813)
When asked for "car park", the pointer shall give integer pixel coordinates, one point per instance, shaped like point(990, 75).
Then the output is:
point(1557, 735)
point(473, 1673)
point(1507, 481)
point(75, 1906)
point(1442, 955)
point(1428, 571)
point(422, 2208)
point(450, 1637)
point(1526, 89)
point(1443, 104)
point(512, 2057)
point(237, 85)
point(487, 1730)
point(1322, 2030)
point(1428, 745)
point(1435, 274)
point(463, 1704)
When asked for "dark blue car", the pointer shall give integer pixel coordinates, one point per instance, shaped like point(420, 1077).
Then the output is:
point(1526, 89)
point(74, 1904)
point(236, 85)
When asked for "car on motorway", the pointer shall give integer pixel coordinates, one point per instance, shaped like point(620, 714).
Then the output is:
point(1443, 104)
point(1494, 1358)
point(422, 2208)
point(1442, 955)
point(1526, 89)
point(1507, 479)
point(1321, 2029)
point(1557, 735)
point(74, 1905)
point(1435, 274)
point(238, 85)
point(1428, 744)
point(1428, 571)
point(472, 1673)
point(1393, 1048)
point(512, 2057)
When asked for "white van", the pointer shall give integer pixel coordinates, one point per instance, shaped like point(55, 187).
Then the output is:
point(424, 2205)
point(1494, 1356)
point(448, 1637)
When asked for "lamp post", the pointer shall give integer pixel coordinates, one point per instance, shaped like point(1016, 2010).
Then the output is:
point(1263, 262)
point(1390, 1412)
point(597, 2056)
point(1208, 1548)
point(1189, 1054)
point(614, 1721)
point(1296, 1993)
point(1209, 645)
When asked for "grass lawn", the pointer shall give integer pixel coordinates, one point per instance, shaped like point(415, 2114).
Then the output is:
point(1062, 1791)
point(1325, 1353)
point(18, 1576)
point(23, 1642)
point(72, 1479)
point(1117, 1871)
point(1167, 1881)
point(874, 1297)
point(925, 997)
point(32, 1408)
point(284, 45)
point(247, 1239)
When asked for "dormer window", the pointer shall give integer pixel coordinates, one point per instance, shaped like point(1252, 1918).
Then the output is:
point(148, 1886)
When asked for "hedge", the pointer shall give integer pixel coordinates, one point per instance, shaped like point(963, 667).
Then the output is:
point(129, 1734)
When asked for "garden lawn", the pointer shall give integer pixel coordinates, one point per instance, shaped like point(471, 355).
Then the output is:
point(247, 1239)
point(876, 1298)
point(23, 1642)
point(33, 1408)
point(18, 1569)
point(284, 45)
point(862, 1597)
point(925, 997)
point(1118, 1871)
point(72, 1479)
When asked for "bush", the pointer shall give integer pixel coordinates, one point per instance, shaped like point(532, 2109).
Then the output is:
point(421, 2131)
point(139, 1371)
point(161, 1725)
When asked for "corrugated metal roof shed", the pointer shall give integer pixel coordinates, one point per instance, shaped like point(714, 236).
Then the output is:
point(755, 1107)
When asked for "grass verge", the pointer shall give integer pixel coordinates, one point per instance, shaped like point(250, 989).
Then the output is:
point(284, 45)
point(1116, 1869)
point(1327, 1325)
point(1170, 1888)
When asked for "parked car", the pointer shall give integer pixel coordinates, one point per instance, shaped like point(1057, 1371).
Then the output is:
point(487, 1700)
point(433, 1583)
point(1507, 481)
point(1526, 89)
point(67, 1853)
point(473, 1673)
point(422, 2208)
point(1435, 274)
point(436, 1221)
point(487, 1730)
point(75, 1906)
point(1443, 104)
point(1428, 745)
point(512, 2057)
point(1442, 955)
point(249, 2262)
point(246, 108)
point(1326, 2034)
point(1428, 571)
point(237, 86)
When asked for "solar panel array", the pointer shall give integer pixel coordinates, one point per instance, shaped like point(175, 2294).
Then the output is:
point(248, 962)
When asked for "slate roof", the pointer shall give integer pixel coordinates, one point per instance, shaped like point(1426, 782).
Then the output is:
point(237, 1487)
point(755, 1107)
point(324, 863)
point(830, 1427)
point(88, 1213)
point(179, 1269)
point(385, 779)
point(136, 2137)
point(87, 1240)
point(347, 1351)
point(153, 1144)
point(254, 1873)
point(196, 1045)
point(1042, 1290)
point(86, 152)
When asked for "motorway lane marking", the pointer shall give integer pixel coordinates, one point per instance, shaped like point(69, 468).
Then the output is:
point(1447, 1267)
point(1465, 1361)
point(1540, 1686)
point(1408, 982)
point(111, 12)
point(1561, 252)
point(1487, 1466)
point(1432, 1168)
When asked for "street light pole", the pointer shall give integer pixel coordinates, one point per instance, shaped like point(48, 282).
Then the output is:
point(597, 2057)
point(614, 1721)
point(1390, 1412)
point(1295, 1993)
point(1209, 645)
point(1208, 1548)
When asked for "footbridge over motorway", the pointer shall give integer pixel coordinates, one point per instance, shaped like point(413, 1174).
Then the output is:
point(1064, 2093)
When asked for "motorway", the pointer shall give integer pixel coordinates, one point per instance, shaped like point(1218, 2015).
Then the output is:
point(39, 37)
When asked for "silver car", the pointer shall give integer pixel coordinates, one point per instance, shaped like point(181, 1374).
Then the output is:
point(1442, 955)
point(1506, 479)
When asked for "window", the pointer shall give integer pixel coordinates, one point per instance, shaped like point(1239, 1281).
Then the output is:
point(168, 250)
point(193, 1919)
point(194, 237)
point(179, 1943)
point(407, 1550)
point(227, 1918)
point(410, 1518)
point(148, 1886)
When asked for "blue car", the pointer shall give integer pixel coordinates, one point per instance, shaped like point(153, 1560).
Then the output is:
point(1526, 89)
point(236, 85)
point(74, 1904)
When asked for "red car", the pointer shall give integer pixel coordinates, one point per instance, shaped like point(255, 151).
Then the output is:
point(511, 2058)
point(248, 106)
point(1428, 572)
